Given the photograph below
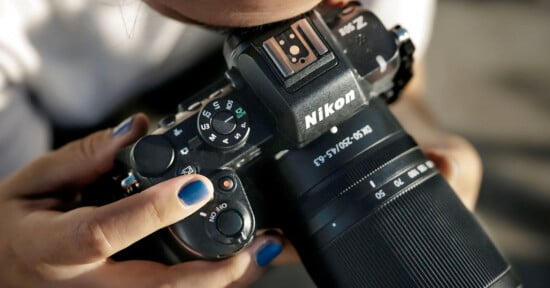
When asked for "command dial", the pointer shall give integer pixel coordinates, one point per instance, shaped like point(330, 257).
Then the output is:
point(153, 155)
point(223, 124)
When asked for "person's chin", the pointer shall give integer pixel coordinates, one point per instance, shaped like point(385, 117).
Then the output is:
point(240, 13)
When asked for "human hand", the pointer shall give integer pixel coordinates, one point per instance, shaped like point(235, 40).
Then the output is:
point(48, 242)
point(454, 156)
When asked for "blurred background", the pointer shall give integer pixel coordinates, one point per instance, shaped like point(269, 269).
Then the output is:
point(489, 81)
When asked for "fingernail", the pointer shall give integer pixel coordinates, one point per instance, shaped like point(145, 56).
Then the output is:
point(124, 127)
point(193, 193)
point(268, 252)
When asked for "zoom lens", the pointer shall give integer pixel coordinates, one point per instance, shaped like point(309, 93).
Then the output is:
point(369, 208)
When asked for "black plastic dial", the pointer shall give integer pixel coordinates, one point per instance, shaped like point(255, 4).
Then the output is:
point(230, 222)
point(153, 155)
point(223, 124)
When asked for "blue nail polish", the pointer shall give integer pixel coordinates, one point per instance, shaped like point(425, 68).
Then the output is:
point(124, 127)
point(193, 193)
point(269, 252)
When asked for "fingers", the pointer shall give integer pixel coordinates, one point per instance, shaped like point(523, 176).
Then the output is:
point(240, 270)
point(454, 156)
point(89, 234)
point(77, 163)
point(289, 255)
point(460, 164)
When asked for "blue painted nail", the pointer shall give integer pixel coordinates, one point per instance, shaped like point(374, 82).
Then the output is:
point(269, 252)
point(124, 127)
point(193, 193)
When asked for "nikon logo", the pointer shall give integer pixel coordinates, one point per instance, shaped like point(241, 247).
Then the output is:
point(328, 109)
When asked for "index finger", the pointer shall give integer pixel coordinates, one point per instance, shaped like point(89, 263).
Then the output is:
point(76, 164)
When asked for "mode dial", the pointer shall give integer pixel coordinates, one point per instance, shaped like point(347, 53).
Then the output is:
point(223, 124)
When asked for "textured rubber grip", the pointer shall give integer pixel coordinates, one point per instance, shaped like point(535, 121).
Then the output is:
point(424, 237)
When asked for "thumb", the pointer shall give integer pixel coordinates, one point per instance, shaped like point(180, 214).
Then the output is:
point(78, 163)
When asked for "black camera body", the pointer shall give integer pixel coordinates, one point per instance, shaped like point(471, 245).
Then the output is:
point(298, 136)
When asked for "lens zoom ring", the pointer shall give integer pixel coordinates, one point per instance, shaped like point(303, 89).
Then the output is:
point(370, 161)
point(424, 238)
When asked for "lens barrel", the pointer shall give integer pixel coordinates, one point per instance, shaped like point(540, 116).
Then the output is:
point(370, 209)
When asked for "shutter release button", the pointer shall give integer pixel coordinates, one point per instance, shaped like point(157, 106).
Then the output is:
point(229, 223)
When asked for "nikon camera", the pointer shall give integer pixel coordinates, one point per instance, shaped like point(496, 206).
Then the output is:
point(298, 136)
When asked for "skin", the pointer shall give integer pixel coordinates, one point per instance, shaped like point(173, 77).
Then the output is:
point(48, 242)
point(241, 13)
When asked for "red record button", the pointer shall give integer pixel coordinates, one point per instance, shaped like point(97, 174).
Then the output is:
point(226, 183)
